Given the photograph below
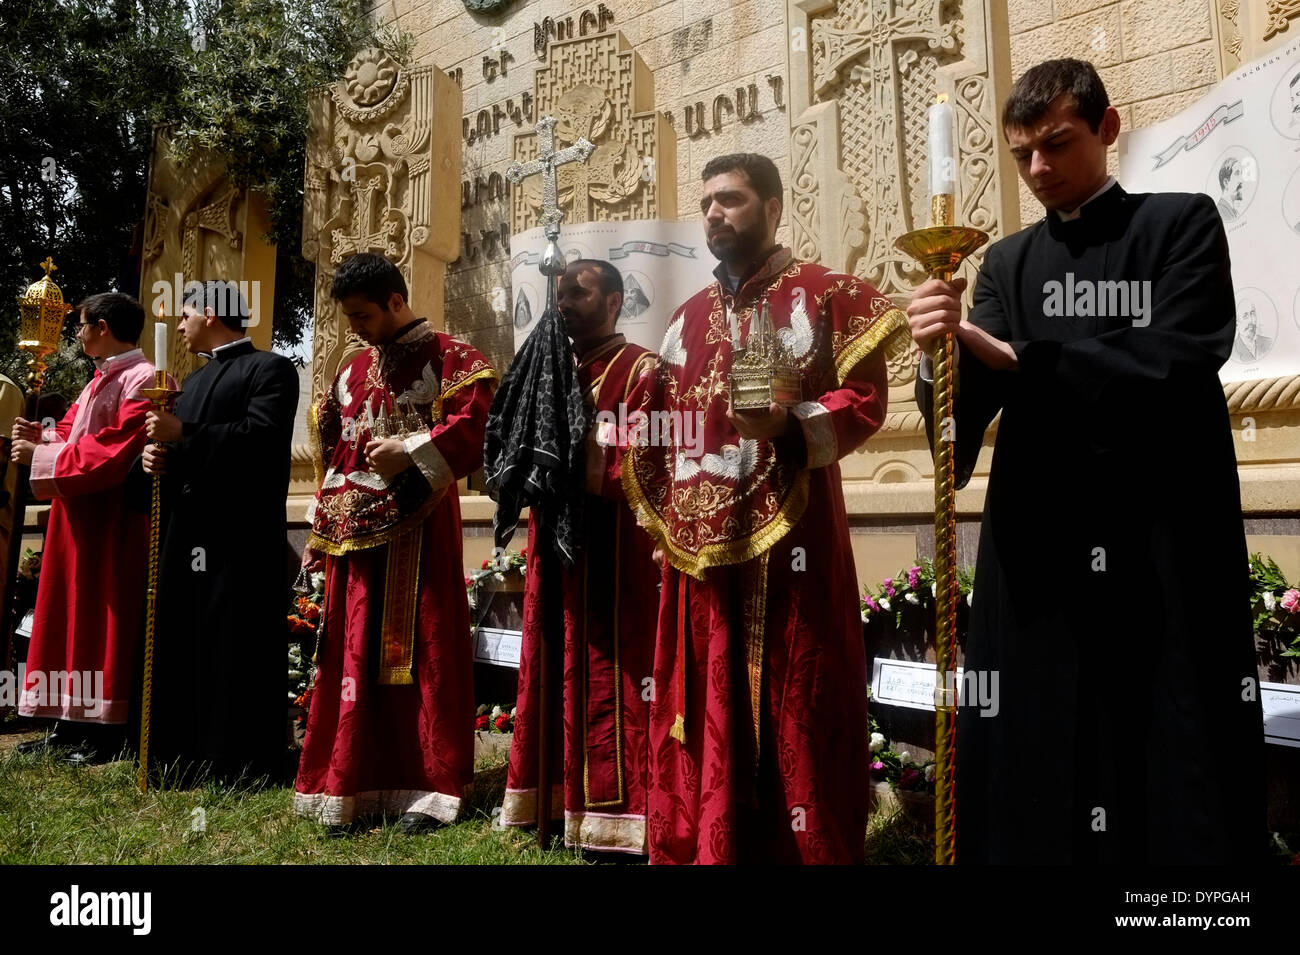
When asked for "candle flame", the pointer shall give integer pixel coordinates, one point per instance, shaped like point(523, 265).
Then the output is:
point(162, 316)
point(941, 98)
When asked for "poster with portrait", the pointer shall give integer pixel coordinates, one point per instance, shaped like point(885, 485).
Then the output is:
point(1240, 145)
point(662, 263)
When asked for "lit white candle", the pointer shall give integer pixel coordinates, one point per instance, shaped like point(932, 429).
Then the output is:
point(160, 344)
point(943, 165)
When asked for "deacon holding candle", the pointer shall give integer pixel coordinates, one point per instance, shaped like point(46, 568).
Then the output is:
point(221, 584)
point(1109, 624)
point(91, 594)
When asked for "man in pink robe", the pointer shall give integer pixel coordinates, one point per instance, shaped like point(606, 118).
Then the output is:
point(91, 596)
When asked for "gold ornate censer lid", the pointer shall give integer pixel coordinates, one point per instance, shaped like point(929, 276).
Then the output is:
point(764, 371)
point(41, 313)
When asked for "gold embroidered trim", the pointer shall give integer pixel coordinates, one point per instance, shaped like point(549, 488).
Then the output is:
point(488, 372)
point(375, 538)
point(401, 592)
point(594, 390)
point(889, 330)
point(519, 807)
point(755, 625)
point(618, 833)
point(714, 555)
point(318, 463)
point(638, 373)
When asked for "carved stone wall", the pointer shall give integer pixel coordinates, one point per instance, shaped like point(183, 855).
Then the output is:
point(200, 227)
point(863, 74)
point(598, 88)
point(834, 92)
point(715, 75)
point(381, 172)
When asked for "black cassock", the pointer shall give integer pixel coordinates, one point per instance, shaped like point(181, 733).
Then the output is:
point(1128, 728)
point(221, 638)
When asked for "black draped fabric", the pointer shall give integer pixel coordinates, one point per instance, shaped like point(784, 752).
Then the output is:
point(1111, 600)
point(221, 643)
point(535, 454)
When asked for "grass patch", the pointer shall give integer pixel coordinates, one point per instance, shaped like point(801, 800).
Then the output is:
point(56, 814)
point(61, 815)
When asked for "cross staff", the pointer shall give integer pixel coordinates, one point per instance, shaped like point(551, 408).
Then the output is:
point(552, 265)
point(547, 161)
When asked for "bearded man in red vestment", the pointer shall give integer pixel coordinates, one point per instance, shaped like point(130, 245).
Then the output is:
point(90, 600)
point(758, 729)
point(391, 725)
point(602, 611)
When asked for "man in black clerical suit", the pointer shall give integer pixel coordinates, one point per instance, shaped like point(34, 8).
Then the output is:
point(219, 659)
point(1110, 617)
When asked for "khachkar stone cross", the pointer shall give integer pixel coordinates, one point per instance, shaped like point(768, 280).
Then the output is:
point(547, 162)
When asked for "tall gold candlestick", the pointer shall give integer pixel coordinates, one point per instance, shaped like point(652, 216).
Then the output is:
point(160, 395)
point(940, 250)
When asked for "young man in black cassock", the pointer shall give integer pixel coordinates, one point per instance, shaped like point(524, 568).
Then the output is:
point(220, 642)
point(1110, 618)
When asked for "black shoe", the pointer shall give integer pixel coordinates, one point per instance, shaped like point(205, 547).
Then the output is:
point(88, 756)
point(62, 736)
point(413, 822)
point(36, 745)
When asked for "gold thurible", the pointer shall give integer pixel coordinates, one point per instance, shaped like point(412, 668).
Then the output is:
point(940, 250)
point(161, 396)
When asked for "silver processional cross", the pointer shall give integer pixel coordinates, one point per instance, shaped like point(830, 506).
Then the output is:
point(547, 162)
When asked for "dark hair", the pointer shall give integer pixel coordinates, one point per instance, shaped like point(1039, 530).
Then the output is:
point(1225, 171)
point(370, 275)
point(123, 315)
point(758, 169)
point(611, 279)
point(1032, 95)
point(225, 300)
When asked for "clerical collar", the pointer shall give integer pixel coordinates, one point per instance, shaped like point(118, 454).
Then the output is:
point(1071, 216)
point(220, 348)
point(122, 360)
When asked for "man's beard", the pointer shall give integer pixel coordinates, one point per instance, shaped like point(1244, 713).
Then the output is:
point(578, 325)
point(739, 248)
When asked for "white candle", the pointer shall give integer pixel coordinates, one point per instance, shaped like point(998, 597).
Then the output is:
point(160, 346)
point(943, 165)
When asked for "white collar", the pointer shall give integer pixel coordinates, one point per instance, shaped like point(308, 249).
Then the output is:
point(228, 344)
point(113, 362)
point(232, 344)
point(1070, 216)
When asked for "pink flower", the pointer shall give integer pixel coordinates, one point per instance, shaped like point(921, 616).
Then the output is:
point(913, 575)
point(1291, 601)
point(889, 586)
point(877, 766)
point(871, 603)
point(910, 779)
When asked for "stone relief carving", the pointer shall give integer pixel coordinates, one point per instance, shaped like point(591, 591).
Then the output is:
point(381, 176)
point(199, 226)
point(599, 88)
point(863, 74)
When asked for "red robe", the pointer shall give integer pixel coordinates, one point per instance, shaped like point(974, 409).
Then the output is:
point(91, 596)
point(391, 726)
point(758, 731)
point(610, 605)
